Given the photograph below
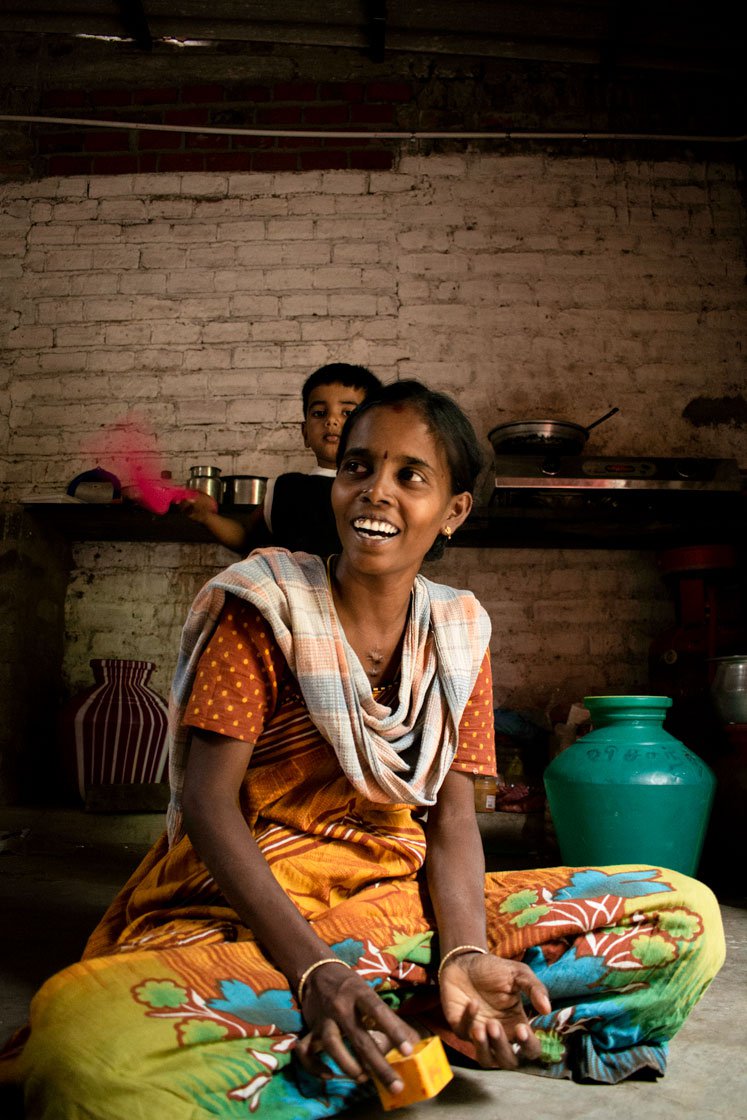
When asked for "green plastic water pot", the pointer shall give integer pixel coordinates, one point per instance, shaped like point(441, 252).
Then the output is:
point(628, 791)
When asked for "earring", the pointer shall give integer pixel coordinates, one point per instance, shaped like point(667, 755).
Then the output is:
point(447, 532)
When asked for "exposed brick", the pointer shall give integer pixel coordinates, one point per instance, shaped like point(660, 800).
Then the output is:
point(225, 332)
point(121, 258)
point(91, 335)
point(122, 209)
point(93, 283)
point(114, 165)
point(159, 141)
point(182, 161)
point(98, 140)
point(167, 95)
point(232, 118)
point(335, 277)
point(212, 141)
point(61, 141)
point(110, 98)
point(286, 278)
point(273, 161)
point(290, 229)
point(340, 304)
point(295, 91)
point(319, 116)
point(246, 92)
point(68, 165)
point(252, 142)
point(158, 188)
point(64, 99)
point(191, 117)
point(23, 337)
point(344, 91)
point(205, 186)
point(282, 331)
point(374, 159)
point(382, 115)
point(105, 310)
point(52, 235)
point(280, 116)
point(207, 91)
point(226, 161)
point(13, 169)
point(109, 186)
point(151, 283)
point(60, 311)
point(389, 91)
point(323, 160)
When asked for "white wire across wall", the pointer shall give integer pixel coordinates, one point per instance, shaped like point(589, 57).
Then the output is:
point(318, 134)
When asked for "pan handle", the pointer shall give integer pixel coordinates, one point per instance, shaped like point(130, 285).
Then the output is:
point(601, 419)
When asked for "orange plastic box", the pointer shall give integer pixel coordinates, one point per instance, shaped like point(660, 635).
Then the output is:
point(424, 1072)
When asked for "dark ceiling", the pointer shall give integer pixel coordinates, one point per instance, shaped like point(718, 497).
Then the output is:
point(642, 34)
point(623, 66)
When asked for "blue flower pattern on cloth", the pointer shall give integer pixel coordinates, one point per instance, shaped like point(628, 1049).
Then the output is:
point(273, 1007)
point(594, 882)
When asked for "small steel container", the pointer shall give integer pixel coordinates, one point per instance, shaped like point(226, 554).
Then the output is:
point(206, 479)
point(729, 688)
point(244, 489)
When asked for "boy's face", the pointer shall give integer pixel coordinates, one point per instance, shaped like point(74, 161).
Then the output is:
point(329, 408)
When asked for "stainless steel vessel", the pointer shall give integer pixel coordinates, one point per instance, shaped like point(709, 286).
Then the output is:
point(729, 688)
point(244, 489)
point(206, 479)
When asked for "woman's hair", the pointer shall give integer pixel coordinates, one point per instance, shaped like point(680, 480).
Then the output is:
point(446, 422)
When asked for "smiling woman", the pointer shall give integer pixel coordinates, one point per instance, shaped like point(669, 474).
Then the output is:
point(322, 878)
point(443, 431)
point(394, 497)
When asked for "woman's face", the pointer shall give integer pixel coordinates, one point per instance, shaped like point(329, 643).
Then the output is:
point(392, 495)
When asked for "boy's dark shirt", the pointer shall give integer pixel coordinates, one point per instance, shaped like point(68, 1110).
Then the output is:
point(302, 517)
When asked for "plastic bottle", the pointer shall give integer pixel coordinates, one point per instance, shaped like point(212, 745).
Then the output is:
point(486, 787)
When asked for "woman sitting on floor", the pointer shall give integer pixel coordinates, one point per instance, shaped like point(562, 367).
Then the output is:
point(320, 896)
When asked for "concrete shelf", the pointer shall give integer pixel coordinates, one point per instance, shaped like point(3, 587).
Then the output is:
point(714, 520)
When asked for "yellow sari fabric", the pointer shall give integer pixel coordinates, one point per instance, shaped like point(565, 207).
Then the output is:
point(175, 1012)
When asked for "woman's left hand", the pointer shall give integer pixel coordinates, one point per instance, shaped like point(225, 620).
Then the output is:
point(481, 996)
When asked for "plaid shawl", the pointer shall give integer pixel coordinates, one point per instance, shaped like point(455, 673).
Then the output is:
point(389, 756)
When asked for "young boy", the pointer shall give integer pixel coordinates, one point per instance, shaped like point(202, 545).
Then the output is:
point(297, 511)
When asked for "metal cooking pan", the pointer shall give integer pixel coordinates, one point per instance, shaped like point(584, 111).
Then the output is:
point(538, 437)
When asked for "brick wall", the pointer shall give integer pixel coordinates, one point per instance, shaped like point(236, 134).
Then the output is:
point(308, 105)
point(565, 623)
point(522, 284)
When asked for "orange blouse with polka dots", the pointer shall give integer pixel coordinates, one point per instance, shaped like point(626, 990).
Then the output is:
point(242, 676)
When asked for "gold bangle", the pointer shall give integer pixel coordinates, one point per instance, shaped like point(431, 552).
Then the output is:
point(312, 968)
point(458, 951)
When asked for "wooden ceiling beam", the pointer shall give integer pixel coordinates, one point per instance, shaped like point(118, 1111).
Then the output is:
point(135, 23)
point(376, 11)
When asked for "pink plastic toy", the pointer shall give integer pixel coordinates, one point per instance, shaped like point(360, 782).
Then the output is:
point(129, 449)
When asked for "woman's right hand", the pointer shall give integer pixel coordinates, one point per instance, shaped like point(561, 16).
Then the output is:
point(352, 1026)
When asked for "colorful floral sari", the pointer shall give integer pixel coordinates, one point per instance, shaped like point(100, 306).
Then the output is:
point(175, 1012)
point(204, 1026)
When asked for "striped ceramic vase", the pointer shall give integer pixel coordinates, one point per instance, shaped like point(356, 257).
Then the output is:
point(115, 732)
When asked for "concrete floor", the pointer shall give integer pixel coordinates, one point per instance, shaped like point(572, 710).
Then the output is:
point(57, 880)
